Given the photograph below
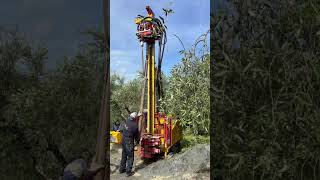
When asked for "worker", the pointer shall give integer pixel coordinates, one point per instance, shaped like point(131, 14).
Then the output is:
point(116, 126)
point(130, 133)
point(78, 170)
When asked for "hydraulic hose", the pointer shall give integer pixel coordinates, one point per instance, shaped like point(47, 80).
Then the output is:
point(161, 29)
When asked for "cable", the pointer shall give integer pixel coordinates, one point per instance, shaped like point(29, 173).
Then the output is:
point(162, 43)
point(160, 29)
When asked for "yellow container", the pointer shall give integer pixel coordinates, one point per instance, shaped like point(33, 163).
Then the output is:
point(161, 120)
point(115, 137)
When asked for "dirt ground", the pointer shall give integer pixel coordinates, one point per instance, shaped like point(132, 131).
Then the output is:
point(191, 163)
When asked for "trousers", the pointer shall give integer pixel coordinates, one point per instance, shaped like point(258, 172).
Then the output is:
point(127, 157)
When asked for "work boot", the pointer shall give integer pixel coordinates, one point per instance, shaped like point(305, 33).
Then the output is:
point(130, 173)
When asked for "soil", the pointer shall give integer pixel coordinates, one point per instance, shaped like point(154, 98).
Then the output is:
point(191, 163)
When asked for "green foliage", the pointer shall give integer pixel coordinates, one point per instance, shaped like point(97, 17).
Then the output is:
point(266, 91)
point(190, 140)
point(187, 94)
point(20, 65)
point(125, 97)
point(47, 119)
point(21, 68)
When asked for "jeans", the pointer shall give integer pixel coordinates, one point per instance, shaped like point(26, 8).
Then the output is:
point(127, 156)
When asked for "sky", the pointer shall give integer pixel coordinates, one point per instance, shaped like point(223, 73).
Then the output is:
point(57, 24)
point(189, 20)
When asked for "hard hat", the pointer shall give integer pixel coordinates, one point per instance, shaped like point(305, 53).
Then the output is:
point(133, 115)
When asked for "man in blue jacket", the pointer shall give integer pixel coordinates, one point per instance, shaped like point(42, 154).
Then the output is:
point(116, 126)
point(130, 133)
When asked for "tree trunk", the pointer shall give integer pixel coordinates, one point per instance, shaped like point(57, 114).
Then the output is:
point(143, 87)
point(141, 118)
point(103, 137)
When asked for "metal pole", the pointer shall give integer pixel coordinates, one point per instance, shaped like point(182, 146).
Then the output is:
point(151, 87)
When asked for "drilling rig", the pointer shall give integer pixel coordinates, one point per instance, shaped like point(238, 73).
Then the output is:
point(162, 132)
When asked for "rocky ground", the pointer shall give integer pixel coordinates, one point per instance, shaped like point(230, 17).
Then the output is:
point(191, 163)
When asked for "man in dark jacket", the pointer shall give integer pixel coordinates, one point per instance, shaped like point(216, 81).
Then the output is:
point(116, 126)
point(130, 133)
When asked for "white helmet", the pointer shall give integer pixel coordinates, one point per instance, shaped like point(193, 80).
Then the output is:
point(133, 115)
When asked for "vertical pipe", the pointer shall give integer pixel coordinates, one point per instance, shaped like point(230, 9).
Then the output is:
point(153, 93)
point(170, 130)
point(165, 137)
point(165, 133)
point(151, 87)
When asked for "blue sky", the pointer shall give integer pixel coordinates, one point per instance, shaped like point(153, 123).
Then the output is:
point(58, 24)
point(189, 20)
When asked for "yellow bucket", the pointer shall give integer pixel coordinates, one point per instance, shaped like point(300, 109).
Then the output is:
point(115, 137)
